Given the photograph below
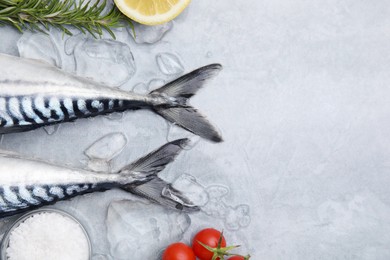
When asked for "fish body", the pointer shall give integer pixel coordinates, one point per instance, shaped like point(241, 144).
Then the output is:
point(27, 183)
point(35, 94)
point(26, 105)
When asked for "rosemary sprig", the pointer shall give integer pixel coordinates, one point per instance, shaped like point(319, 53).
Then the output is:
point(39, 15)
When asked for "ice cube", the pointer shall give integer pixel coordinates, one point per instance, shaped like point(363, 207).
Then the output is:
point(108, 62)
point(141, 88)
point(216, 208)
point(107, 147)
point(99, 165)
point(176, 132)
point(13, 35)
point(155, 84)
point(237, 217)
point(234, 217)
point(217, 191)
point(149, 34)
point(141, 230)
point(39, 46)
point(169, 63)
point(71, 42)
point(122, 249)
point(191, 189)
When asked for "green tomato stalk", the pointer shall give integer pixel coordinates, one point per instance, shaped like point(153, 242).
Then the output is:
point(220, 252)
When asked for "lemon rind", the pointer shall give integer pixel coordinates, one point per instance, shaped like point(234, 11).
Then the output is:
point(154, 19)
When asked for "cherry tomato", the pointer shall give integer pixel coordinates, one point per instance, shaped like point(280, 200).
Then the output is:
point(178, 251)
point(209, 237)
point(236, 257)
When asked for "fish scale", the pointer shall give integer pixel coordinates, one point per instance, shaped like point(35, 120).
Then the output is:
point(27, 196)
point(25, 107)
point(12, 198)
point(35, 111)
point(28, 183)
point(35, 94)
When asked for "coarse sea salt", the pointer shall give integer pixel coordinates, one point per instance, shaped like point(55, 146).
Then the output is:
point(48, 235)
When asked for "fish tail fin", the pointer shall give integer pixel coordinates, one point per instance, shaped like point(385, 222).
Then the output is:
point(181, 90)
point(147, 184)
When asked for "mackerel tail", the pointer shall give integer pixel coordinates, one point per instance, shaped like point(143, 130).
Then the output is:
point(27, 184)
point(47, 96)
point(179, 112)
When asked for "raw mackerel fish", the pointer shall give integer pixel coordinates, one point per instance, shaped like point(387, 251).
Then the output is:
point(26, 184)
point(35, 94)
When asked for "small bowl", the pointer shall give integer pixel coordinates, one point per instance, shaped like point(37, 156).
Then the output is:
point(5, 241)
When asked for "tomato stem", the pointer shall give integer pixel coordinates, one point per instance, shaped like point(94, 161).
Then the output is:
point(220, 252)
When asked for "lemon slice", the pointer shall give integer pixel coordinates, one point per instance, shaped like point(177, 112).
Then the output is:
point(151, 12)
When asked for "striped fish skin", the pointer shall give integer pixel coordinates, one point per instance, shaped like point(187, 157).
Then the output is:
point(32, 105)
point(35, 94)
point(26, 184)
point(17, 199)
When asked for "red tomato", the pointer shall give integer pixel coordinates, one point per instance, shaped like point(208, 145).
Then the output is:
point(236, 257)
point(178, 251)
point(209, 237)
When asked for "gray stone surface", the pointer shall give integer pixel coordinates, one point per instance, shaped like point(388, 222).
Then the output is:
point(303, 106)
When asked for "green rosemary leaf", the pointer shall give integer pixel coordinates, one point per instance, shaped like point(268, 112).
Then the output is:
point(82, 15)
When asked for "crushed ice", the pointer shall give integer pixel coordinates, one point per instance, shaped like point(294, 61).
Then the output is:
point(102, 151)
point(140, 88)
point(107, 147)
point(149, 34)
point(130, 224)
point(191, 189)
point(100, 59)
point(169, 64)
point(234, 217)
point(155, 84)
point(39, 46)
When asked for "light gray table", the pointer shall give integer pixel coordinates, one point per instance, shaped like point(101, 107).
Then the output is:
point(303, 106)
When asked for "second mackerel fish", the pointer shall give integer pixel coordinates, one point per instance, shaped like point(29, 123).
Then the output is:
point(35, 94)
point(26, 183)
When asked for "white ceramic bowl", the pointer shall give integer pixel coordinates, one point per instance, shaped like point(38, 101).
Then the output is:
point(5, 241)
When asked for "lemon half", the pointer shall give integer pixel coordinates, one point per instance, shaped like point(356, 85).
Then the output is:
point(151, 12)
